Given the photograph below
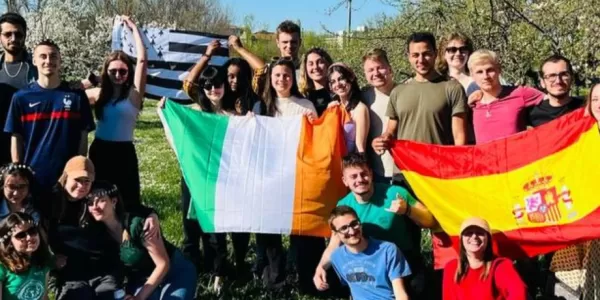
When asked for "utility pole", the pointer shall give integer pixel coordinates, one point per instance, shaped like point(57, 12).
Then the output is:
point(349, 5)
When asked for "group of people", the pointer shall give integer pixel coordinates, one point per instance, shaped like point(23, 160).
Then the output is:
point(80, 220)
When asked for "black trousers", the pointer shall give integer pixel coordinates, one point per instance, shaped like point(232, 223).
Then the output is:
point(117, 163)
point(214, 244)
point(270, 260)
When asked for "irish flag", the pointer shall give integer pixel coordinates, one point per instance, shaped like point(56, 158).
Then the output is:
point(259, 174)
point(537, 189)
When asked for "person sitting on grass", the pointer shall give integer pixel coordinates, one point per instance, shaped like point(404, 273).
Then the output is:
point(155, 268)
point(372, 269)
point(17, 181)
point(25, 259)
point(478, 273)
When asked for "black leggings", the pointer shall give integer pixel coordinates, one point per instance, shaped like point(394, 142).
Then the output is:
point(117, 163)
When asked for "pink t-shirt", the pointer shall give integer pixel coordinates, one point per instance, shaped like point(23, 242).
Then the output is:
point(505, 116)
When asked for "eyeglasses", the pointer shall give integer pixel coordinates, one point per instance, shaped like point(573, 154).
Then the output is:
point(18, 35)
point(355, 225)
point(31, 232)
point(462, 49)
point(16, 187)
point(284, 58)
point(121, 72)
point(564, 76)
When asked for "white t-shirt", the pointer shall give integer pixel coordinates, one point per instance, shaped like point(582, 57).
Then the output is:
point(383, 165)
point(293, 106)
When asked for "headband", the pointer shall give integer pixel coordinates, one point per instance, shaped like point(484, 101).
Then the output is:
point(12, 230)
point(13, 166)
point(345, 66)
point(103, 192)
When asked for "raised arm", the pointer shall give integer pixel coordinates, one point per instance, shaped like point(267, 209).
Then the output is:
point(16, 148)
point(256, 63)
point(202, 62)
point(141, 67)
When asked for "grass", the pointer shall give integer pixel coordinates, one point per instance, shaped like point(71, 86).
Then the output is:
point(160, 179)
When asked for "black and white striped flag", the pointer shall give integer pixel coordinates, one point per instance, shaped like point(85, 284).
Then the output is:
point(170, 53)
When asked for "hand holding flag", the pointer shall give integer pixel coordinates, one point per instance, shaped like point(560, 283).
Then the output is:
point(398, 206)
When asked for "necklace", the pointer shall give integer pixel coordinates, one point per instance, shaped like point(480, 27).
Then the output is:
point(16, 74)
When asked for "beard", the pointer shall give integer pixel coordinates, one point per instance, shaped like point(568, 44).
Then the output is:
point(16, 49)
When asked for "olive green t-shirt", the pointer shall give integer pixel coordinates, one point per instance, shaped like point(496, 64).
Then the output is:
point(424, 110)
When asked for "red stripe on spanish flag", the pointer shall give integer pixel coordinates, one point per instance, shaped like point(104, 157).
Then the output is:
point(536, 188)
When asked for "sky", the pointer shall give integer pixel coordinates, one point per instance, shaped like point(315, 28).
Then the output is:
point(311, 13)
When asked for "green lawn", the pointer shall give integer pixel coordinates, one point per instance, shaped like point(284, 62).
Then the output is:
point(160, 190)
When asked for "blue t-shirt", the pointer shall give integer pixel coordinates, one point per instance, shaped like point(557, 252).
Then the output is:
point(369, 274)
point(50, 121)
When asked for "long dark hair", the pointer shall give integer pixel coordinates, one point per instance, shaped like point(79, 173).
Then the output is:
point(244, 93)
point(105, 188)
point(305, 84)
point(107, 87)
point(215, 75)
point(355, 94)
point(15, 261)
point(270, 95)
point(463, 262)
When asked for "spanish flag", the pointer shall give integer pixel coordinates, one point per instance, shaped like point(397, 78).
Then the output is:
point(259, 174)
point(537, 189)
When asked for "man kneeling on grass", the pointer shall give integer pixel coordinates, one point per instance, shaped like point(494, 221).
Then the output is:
point(372, 269)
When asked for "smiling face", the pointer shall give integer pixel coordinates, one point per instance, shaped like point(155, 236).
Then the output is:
point(281, 80)
point(16, 189)
point(12, 37)
point(474, 240)
point(348, 228)
point(557, 78)
point(456, 54)
point(359, 179)
point(118, 72)
point(47, 60)
point(214, 93)
point(595, 103)
point(78, 187)
point(288, 44)
point(25, 238)
point(101, 208)
point(233, 74)
point(340, 85)
point(316, 67)
point(377, 73)
point(422, 57)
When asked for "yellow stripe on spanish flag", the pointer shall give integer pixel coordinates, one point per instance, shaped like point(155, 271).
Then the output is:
point(536, 188)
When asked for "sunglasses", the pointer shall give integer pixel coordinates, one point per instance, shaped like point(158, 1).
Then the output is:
point(16, 34)
point(345, 228)
point(31, 232)
point(462, 49)
point(121, 72)
point(208, 85)
point(16, 187)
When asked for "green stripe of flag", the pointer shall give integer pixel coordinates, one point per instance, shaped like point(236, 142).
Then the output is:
point(199, 157)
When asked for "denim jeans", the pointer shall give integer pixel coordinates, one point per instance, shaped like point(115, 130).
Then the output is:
point(179, 283)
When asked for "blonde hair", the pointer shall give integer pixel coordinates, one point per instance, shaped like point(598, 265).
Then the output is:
point(483, 56)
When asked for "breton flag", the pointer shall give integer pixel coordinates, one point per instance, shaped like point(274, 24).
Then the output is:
point(536, 188)
point(259, 174)
point(171, 53)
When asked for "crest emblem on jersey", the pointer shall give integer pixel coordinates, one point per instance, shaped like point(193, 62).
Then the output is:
point(67, 102)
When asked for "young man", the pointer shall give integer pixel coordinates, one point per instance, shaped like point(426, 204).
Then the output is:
point(373, 269)
point(48, 121)
point(288, 38)
point(383, 209)
point(428, 108)
point(556, 77)
point(501, 110)
point(380, 78)
point(16, 70)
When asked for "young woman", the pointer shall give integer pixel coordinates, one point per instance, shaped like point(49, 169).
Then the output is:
point(282, 97)
point(344, 84)
point(155, 269)
point(453, 57)
point(117, 104)
point(478, 273)
point(88, 255)
point(313, 83)
point(239, 77)
point(16, 180)
point(25, 259)
point(208, 88)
